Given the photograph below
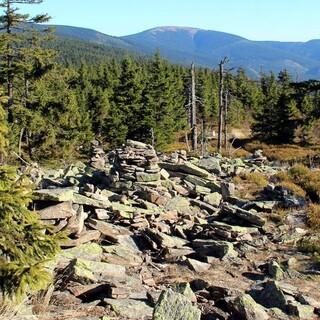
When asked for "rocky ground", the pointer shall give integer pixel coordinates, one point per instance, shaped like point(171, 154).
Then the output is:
point(166, 238)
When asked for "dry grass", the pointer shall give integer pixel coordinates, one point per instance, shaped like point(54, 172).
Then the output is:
point(249, 184)
point(278, 216)
point(256, 178)
point(172, 147)
point(310, 244)
point(283, 153)
point(297, 190)
point(301, 176)
point(313, 215)
point(9, 310)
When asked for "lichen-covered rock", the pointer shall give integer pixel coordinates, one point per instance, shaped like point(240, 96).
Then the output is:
point(272, 296)
point(59, 194)
point(215, 248)
point(213, 198)
point(130, 309)
point(180, 204)
point(185, 289)
point(175, 306)
point(275, 270)
point(90, 251)
point(210, 164)
point(247, 309)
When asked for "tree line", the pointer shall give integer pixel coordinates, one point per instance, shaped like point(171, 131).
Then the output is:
point(58, 100)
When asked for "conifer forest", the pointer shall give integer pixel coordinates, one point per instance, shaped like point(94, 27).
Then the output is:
point(136, 187)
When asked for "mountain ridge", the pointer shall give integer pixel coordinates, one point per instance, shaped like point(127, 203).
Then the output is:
point(207, 47)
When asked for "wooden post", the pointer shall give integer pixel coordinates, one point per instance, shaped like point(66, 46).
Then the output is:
point(194, 133)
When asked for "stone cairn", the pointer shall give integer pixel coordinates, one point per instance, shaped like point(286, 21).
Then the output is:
point(136, 162)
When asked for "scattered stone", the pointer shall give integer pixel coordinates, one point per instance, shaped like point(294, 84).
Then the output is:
point(275, 270)
point(84, 237)
point(246, 308)
point(272, 296)
point(130, 309)
point(227, 190)
point(175, 306)
point(210, 164)
point(219, 249)
point(135, 222)
point(198, 266)
point(213, 199)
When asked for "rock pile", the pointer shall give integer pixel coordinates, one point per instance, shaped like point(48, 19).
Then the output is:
point(168, 239)
point(136, 162)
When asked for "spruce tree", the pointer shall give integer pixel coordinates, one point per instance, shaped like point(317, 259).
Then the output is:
point(15, 32)
point(163, 102)
point(123, 120)
point(61, 125)
point(23, 61)
point(25, 244)
point(266, 122)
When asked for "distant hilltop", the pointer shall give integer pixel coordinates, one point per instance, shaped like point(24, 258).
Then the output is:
point(206, 48)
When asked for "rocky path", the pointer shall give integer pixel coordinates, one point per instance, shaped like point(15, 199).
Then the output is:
point(166, 238)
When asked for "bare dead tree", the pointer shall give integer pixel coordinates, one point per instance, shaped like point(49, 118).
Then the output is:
point(225, 129)
point(221, 98)
point(194, 133)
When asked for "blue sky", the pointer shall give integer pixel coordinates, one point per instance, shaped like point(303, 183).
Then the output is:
point(286, 20)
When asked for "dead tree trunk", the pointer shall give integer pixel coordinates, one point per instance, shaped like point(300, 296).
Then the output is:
point(226, 102)
point(221, 106)
point(202, 138)
point(194, 133)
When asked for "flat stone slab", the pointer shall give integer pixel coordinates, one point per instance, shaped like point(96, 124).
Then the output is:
point(87, 236)
point(110, 231)
point(62, 210)
point(187, 167)
point(83, 200)
point(164, 240)
point(90, 251)
point(58, 194)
